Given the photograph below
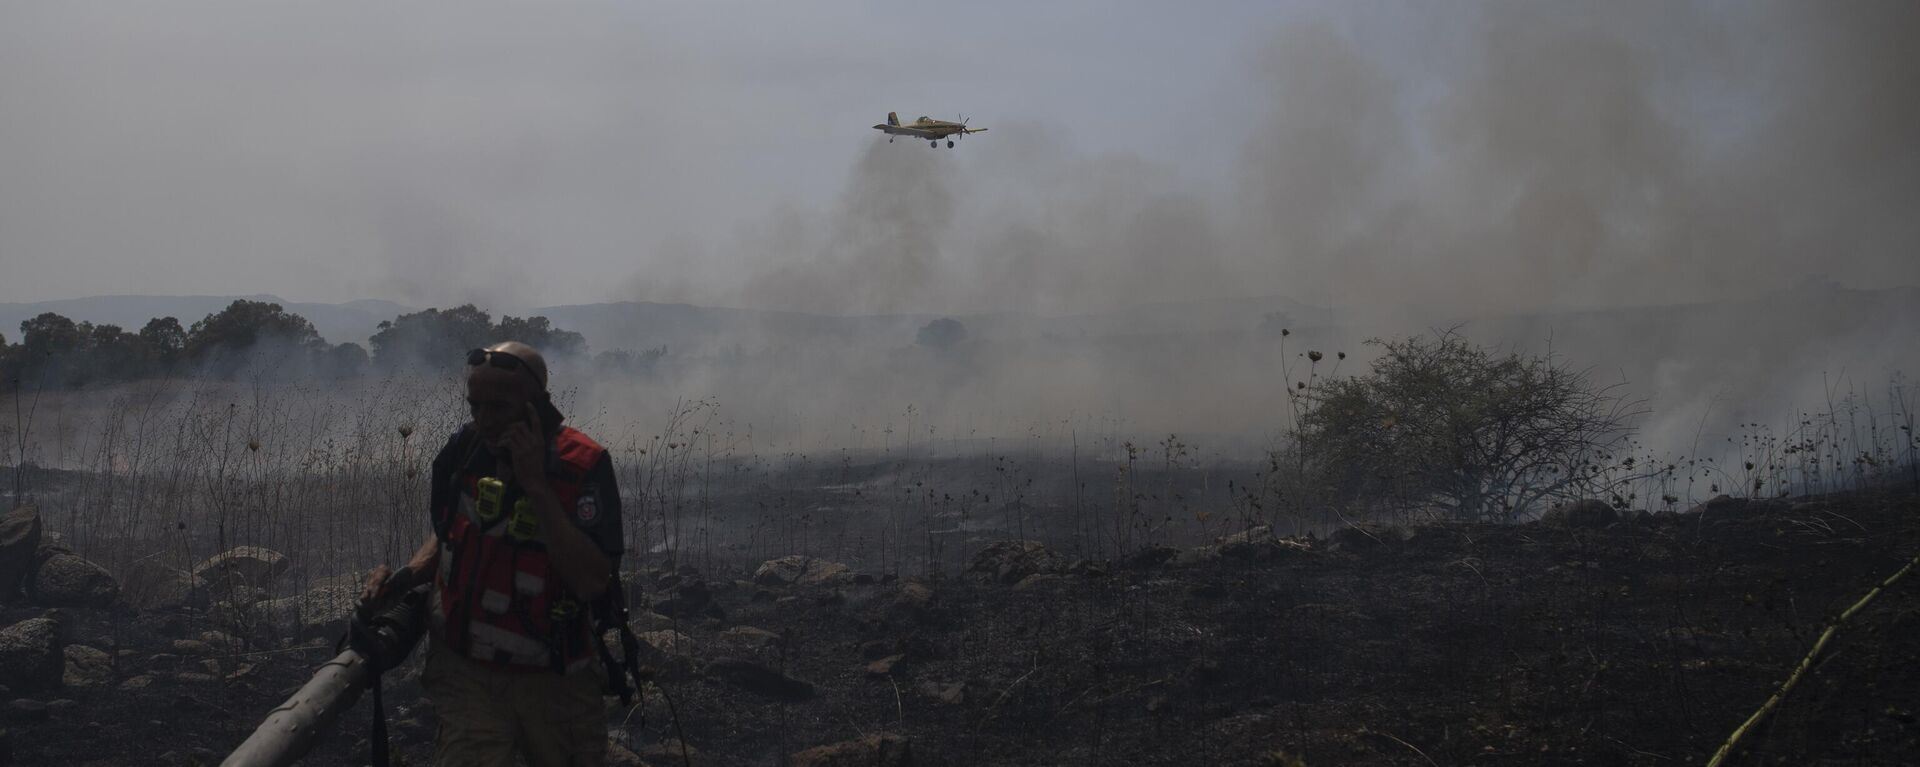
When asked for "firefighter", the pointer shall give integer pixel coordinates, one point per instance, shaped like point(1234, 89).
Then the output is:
point(525, 547)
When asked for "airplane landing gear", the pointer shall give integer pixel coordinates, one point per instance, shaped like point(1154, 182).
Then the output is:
point(889, 139)
point(933, 145)
point(949, 143)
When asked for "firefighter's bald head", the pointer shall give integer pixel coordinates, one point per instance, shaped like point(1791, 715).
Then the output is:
point(502, 381)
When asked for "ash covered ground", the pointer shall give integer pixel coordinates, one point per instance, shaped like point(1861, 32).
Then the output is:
point(1644, 639)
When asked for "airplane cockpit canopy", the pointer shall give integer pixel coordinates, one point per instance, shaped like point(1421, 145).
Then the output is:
point(924, 118)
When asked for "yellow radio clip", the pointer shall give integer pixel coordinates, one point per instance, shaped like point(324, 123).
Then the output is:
point(524, 524)
point(491, 496)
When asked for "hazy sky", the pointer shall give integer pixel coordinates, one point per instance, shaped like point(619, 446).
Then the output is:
point(529, 153)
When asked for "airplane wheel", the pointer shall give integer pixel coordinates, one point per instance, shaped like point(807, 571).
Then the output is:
point(933, 145)
point(949, 144)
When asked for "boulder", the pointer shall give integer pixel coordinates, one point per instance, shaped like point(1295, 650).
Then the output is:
point(751, 636)
point(755, 678)
point(1149, 557)
point(877, 750)
point(1012, 561)
point(952, 694)
point(19, 539)
point(1037, 581)
point(621, 756)
point(685, 600)
point(320, 612)
point(1586, 513)
point(1718, 504)
point(158, 587)
point(87, 667)
point(255, 566)
point(68, 580)
point(670, 642)
point(1258, 543)
point(1362, 539)
point(650, 621)
point(803, 571)
point(30, 654)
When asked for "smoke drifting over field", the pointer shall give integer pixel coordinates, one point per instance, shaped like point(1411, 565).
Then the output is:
point(1536, 171)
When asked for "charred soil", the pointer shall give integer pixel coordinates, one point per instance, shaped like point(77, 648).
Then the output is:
point(1645, 641)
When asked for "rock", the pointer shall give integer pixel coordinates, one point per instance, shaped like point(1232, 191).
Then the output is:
point(151, 585)
point(30, 654)
point(877, 750)
point(191, 647)
point(913, 600)
point(1362, 539)
point(670, 751)
point(884, 666)
point(1587, 513)
point(27, 710)
point(651, 621)
point(1149, 557)
point(1258, 543)
point(1011, 561)
point(951, 694)
point(87, 667)
point(620, 756)
point(68, 580)
point(1719, 504)
point(58, 705)
point(140, 682)
point(191, 677)
point(1037, 581)
point(759, 679)
point(801, 571)
point(671, 642)
point(684, 601)
point(255, 566)
point(751, 636)
point(19, 539)
point(323, 611)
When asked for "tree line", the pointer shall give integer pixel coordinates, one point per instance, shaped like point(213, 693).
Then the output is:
point(257, 338)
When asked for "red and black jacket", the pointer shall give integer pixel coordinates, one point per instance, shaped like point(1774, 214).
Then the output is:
point(496, 598)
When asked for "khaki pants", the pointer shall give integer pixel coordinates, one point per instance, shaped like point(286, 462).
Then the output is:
point(487, 715)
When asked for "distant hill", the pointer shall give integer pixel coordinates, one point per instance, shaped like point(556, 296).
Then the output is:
point(352, 322)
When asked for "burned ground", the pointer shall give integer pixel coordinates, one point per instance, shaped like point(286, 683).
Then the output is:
point(1643, 642)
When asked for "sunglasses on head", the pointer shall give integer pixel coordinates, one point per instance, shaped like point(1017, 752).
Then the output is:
point(500, 360)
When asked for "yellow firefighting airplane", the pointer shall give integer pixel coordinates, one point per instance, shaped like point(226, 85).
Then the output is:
point(927, 128)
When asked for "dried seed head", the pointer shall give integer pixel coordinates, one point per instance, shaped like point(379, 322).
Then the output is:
point(1285, 332)
point(405, 431)
point(1342, 355)
point(1315, 356)
point(253, 445)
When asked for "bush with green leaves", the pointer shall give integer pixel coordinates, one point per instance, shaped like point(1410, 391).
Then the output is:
point(1444, 427)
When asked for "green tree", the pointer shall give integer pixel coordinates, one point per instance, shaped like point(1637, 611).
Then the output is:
point(1442, 425)
point(430, 335)
point(539, 333)
point(236, 335)
point(161, 341)
point(433, 336)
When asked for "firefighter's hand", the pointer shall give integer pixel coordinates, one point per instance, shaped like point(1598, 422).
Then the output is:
point(376, 585)
point(525, 450)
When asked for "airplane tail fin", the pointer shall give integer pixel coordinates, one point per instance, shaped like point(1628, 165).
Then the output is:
point(893, 118)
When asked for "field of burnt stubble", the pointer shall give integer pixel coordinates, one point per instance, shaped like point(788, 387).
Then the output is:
point(1070, 596)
